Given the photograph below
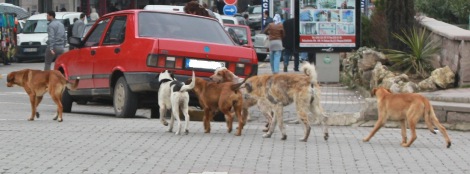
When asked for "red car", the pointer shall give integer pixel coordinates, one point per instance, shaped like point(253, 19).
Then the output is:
point(122, 54)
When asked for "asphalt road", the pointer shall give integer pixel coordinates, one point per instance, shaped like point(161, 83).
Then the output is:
point(92, 140)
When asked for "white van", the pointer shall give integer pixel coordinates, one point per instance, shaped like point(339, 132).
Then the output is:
point(32, 40)
point(176, 9)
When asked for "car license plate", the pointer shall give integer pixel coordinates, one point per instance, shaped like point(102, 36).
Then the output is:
point(30, 50)
point(204, 64)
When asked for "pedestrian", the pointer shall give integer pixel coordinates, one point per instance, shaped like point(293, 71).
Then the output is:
point(56, 39)
point(289, 47)
point(93, 15)
point(247, 20)
point(267, 20)
point(275, 30)
point(220, 7)
point(78, 27)
point(195, 8)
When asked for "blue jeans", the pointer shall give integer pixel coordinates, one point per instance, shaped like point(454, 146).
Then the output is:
point(287, 54)
point(303, 56)
point(275, 59)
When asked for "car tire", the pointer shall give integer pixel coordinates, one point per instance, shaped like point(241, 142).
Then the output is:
point(261, 57)
point(124, 100)
point(67, 101)
point(155, 112)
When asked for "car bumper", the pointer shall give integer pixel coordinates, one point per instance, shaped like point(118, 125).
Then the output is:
point(30, 53)
point(262, 50)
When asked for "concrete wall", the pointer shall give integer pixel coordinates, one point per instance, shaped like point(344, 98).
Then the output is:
point(455, 48)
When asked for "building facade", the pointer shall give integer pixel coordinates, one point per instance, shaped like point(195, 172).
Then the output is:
point(42, 6)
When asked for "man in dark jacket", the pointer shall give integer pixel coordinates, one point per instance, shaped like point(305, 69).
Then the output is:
point(289, 47)
point(267, 20)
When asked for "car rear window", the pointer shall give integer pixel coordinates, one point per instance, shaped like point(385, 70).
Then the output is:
point(177, 26)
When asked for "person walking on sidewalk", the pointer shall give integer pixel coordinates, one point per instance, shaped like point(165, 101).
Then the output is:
point(275, 31)
point(289, 47)
point(56, 40)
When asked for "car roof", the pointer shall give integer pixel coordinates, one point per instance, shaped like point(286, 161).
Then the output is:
point(58, 15)
point(135, 11)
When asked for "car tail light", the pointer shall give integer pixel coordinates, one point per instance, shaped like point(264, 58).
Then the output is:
point(164, 61)
point(240, 69)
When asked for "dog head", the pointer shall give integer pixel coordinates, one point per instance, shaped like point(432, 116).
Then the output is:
point(17, 77)
point(222, 75)
point(11, 79)
point(166, 75)
point(375, 91)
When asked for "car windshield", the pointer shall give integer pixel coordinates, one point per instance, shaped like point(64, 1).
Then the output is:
point(254, 10)
point(241, 34)
point(36, 26)
point(184, 27)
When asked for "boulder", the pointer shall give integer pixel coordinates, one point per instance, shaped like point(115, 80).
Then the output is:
point(399, 80)
point(379, 73)
point(370, 59)
point(443, 77)
point(427, 85)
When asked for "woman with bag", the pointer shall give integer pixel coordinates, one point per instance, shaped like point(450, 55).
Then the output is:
point(275, 30)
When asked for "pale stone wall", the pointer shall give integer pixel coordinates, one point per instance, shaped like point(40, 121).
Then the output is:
point(455, 47)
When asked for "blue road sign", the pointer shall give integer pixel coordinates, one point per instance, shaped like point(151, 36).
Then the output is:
point(230, 10)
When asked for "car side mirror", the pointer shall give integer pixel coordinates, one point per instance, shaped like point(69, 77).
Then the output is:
point(76, 42)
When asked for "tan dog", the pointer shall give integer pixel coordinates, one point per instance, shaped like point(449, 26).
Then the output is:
point(283, 89)
point(405, 107)
point(223, 97)
point(37, 82)
point(224, 75)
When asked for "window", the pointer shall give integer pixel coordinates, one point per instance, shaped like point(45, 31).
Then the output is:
point(116, 32)
point(184, 27)
point(95, 36)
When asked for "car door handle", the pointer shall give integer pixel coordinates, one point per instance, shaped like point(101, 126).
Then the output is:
point(117, 50)
point(93, 52)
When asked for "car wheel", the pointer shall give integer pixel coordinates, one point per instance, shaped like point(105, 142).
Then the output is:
point(67, 101)
point(261, 57)
point(124, 100)
point(155, 112)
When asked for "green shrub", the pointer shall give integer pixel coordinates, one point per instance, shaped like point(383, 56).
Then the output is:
point(417, 57)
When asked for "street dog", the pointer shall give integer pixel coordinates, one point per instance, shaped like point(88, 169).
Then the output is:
point(283, 89)
point(406, 108)
point(173, 95)
point(223, 97)
point(36, 83)
point(224, 75)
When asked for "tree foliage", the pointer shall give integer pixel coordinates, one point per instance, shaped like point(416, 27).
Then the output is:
point(399, 15)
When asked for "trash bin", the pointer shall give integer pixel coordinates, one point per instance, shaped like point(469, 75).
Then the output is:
point(327, 65)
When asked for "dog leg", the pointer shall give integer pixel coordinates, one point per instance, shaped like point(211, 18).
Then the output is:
point(304, 118)
point(268, 115)
point(176, 114)
point(206, 120)
point(273, 123)
point(172, 121)
point(403, 132)
point(39, 99)
point(380, 122)
point(186, 117)
point(33, 100)
point(162, 115)
point(57, 97)
point(279, 117)
point(241, 120)
point(412, 123)
point(229, 121)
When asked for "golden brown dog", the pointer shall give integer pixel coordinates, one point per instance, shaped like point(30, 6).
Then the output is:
point(221, 97)
point(283, 89)
point(224, 75)
point(37, 82)
point(406, 108)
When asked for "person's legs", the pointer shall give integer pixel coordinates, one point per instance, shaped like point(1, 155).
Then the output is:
point(296, 61)
point(271, 60)
point(276, 60)
point(287, 53)
point(48, 59)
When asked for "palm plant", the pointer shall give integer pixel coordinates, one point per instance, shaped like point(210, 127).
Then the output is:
point(418, 55)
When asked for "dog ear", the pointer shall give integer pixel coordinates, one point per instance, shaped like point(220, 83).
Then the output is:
point(172, 74)
point(226, 75)
point(372, 92)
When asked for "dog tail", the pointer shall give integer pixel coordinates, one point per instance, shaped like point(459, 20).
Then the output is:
point(74, 85)
point(309, 70)
point(236, 87)
point(430, 119)
point(185, 88)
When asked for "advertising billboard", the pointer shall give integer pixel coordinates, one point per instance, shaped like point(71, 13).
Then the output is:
point(327, 25)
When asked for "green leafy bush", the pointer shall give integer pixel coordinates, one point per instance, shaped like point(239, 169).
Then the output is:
point(416, 58)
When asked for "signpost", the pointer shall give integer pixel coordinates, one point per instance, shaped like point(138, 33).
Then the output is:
point(230, 10)
point(230, 2)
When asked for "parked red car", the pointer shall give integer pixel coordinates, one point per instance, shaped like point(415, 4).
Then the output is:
point(122, 54)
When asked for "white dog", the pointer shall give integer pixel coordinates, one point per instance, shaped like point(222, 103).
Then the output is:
point(174, 95)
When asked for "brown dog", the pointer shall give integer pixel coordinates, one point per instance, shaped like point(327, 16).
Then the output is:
point(224, 75)
point(221, 97)
point(405, 107)
point(37, 82)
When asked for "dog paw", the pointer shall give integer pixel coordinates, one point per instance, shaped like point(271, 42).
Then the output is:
point(303, 140)
point(30, 119)
point(448, 144)
point(207, 131)
point(405, 145)
point(37, 114)
point(284, 137)
point(170, 130)
point(60, 120)
point(177, 133)
point(365, 140)
point(267, 135)
point(186, 132)
point(238, 134)
point(326, 136)
point(229, 130)
point(165, 123)
point(265, 130)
